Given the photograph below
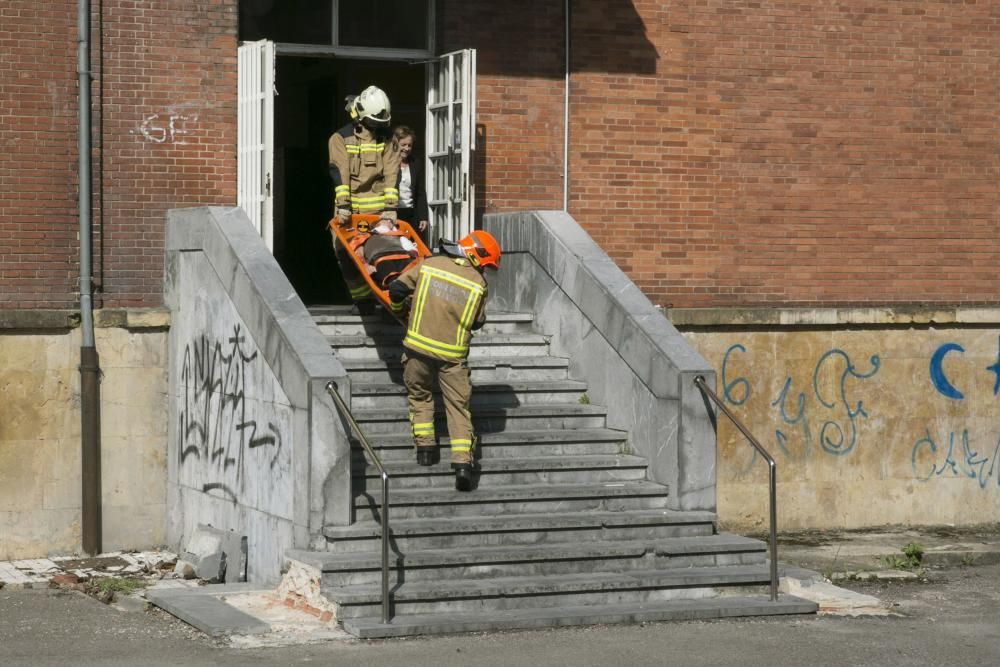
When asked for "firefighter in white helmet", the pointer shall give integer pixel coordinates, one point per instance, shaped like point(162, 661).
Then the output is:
point(364, 165)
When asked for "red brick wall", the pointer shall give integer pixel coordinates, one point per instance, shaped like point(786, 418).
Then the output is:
point(758, 153)
point(164, 136)
point(38, 163)
point(168, 88)
point(519, 53)
point(799, 154)
point(724, 153)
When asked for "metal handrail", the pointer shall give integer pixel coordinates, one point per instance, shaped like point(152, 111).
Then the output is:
point(331, 388)
point(772, 473)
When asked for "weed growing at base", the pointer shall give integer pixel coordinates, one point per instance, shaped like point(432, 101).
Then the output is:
point(117, 585)
point(913, 554)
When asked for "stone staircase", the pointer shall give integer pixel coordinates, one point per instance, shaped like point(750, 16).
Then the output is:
point(563, 528)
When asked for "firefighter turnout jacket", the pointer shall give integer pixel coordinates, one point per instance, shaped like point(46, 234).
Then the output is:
point(447, 302)
point(364, 166)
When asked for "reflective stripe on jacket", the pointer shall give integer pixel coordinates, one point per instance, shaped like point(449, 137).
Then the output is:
point(448, 301)
point(364, 168)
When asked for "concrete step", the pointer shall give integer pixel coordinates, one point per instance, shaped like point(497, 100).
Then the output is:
point(511, 444)
point(482, 562)
point(513, 499)
point(508, 393)
point(483, 345)
point(371, 627)
point(551, 591)
point(485, 369)
point(337, 320)
point(494, 472)
point(492, 420)
point(535, 528)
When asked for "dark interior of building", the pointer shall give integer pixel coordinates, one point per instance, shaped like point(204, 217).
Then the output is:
point(308, 108)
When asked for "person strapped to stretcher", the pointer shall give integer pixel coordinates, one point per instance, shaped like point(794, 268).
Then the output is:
point(385, 250)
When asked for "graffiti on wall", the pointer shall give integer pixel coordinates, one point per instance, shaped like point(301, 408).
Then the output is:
point(217, 430)
point(940, 379)
point(825, 413)
point(821, 410)
point(167, 127)
point(959, 459)
point(956, 454)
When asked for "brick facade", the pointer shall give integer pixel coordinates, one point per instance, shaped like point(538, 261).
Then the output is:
point(519, 112)
point(168, 94)
point(724, 153)
point(757, 153)
point(787, 154)
point(164, 135)
point(38, 163)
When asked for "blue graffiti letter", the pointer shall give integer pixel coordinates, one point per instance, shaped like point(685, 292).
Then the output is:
point(841, 443)
point(727, 387)
point(995, 369)
point(941, 382)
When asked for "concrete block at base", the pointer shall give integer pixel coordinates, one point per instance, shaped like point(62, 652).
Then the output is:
point(215, 555)
point(202, 608)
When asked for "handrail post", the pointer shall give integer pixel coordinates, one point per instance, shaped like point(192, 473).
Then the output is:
point(772, 481)
point(772, 488)
point(386, 614)
point(331, 388)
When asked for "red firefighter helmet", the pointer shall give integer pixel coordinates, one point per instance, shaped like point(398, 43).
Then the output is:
point(482, 249)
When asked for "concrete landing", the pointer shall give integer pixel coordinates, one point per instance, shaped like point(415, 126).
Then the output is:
point(520, 619)
point(205, 608)
point(876, 554)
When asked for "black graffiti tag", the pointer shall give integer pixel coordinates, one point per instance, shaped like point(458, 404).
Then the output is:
point(215, 430)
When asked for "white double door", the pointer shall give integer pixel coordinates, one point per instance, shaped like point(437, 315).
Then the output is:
point(450, 140)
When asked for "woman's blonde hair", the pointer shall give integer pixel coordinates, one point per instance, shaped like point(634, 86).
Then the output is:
point(403, 131)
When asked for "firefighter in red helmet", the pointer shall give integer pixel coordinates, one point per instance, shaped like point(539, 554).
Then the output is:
point(443, 299)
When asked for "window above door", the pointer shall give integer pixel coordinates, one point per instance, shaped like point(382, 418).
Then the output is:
point(371, 29)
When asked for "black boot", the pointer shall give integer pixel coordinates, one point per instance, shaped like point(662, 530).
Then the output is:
point(363, 308)
point(463, 476)
point(426, 456)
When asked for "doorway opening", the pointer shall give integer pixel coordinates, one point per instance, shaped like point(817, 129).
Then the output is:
point(298, 61)
point(308, 108)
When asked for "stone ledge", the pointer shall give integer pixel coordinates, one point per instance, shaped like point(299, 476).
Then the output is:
point(39, 319)
point(881, 315)
point(133, 318)
point(35, 320)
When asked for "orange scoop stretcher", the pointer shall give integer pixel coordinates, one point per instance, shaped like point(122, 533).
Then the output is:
point(359, 231)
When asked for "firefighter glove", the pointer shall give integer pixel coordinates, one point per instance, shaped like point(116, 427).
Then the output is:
point(343, 215)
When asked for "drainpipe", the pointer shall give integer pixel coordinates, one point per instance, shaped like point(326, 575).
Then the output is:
point(90, 368)
point(566, 14)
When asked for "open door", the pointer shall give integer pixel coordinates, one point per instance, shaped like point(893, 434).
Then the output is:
point(451, 136)
point(255, 162)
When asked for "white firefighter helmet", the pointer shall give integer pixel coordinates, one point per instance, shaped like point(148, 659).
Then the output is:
point(371, 104)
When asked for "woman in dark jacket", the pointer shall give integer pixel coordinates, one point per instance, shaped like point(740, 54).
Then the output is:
point(410, 183)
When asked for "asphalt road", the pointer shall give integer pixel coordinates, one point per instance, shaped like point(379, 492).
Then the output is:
point(954, 619)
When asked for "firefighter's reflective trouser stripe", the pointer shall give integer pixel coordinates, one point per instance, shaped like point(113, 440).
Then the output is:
point(360, 291)
point(456, 390)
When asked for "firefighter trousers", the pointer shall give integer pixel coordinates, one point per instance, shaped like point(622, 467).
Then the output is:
point(419, 374)
point(356, 285)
